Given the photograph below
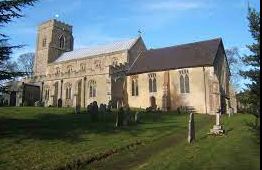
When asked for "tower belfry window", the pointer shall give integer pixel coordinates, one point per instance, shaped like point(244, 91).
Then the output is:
point(62, 41)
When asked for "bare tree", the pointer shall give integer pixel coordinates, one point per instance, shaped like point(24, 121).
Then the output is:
point(234, 62)
point(26, 63)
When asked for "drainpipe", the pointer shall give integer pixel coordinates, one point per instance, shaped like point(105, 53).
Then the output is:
point(205, 88)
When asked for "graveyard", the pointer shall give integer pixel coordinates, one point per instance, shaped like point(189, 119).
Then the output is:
point(65, 138)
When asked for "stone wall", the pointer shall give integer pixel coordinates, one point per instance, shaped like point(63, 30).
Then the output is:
point(200, 81)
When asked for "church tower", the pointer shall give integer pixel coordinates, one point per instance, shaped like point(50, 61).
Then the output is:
point(53, 39)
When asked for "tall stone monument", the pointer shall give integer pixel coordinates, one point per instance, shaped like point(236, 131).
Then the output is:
point(217, 128)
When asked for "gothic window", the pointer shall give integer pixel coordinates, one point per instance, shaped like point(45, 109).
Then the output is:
point(184, 81)
point(62, 41)
point(83, 67)
point(44, 42)
point(98, 64)
point(134, 86)
point(92, 88)
point(152, 82)
point(68, 91)
point(57, 70)
point(69, 69)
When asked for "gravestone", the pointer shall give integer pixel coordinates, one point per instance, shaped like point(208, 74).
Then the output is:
point(217, 128)
point(77, 109)
point(94, 111)
point(89, 108)
point(119, 117)
point(59, 103)
point(191, 128)
point(102, 111)
point(137, 117)
point(109, 106)
point(127, 116)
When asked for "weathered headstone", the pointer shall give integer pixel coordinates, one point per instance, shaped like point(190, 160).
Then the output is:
point(137, 117)
point(89, 108)
point(127, 116)
point(119, 117)
point(59, 103)
point(77, 109)
point(217, 128)
point(191, 128)
point(109, 106)
point(102, 110)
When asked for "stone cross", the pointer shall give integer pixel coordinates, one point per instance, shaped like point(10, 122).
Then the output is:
point(191, 128)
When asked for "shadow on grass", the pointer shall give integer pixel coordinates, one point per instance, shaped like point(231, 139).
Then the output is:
point(69, 127)
point(255, 130)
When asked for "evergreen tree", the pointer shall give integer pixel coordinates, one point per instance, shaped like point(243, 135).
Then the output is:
point(253, 60)
point(9, 10)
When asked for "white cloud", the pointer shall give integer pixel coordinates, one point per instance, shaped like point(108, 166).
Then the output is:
point(173, 5)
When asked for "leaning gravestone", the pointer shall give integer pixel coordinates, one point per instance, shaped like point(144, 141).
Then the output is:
point(191, 128)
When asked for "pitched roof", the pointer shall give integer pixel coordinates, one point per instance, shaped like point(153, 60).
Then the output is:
point(181, 56)
point(97, 50)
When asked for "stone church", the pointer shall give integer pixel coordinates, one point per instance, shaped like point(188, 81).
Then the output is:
point(194, 75)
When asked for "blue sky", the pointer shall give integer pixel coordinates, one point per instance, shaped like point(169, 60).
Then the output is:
point(162, 22)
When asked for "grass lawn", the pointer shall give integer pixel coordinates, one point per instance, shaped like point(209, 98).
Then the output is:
point(51, 138)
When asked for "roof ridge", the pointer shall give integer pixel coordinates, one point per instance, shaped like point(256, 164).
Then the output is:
point(186, 44)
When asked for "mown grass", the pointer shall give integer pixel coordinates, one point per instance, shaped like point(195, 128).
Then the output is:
point(238, 149)
point(50, 138)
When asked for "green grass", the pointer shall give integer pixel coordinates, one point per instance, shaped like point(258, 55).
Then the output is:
point(50, 138)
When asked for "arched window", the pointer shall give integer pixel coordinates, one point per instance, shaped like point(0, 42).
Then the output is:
point(57, 70)
point(68, 91)
point(69, 69)
point(150, 85)
point(134, 86)
point(186, 83)
point(154, 85)
point(62, 41)
point(182, 87)
point(92, 88)
point(82, 66)
point(152, 82)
